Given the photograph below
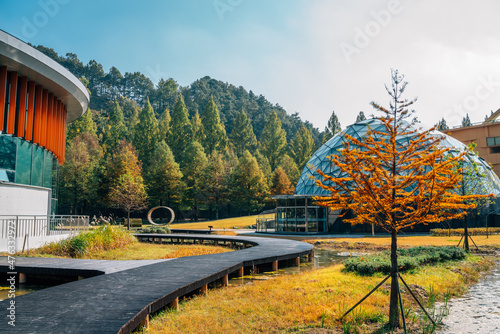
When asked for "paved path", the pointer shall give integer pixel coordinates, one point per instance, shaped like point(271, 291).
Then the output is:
point(117, 302)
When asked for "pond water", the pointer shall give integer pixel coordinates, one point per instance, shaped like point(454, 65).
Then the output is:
point(478, 311)
point(322, 258)
point(22, 289)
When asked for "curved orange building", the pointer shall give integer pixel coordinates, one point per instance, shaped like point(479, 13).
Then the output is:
point(38, 97)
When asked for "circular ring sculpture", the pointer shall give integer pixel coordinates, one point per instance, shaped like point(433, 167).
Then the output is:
point(161, 207)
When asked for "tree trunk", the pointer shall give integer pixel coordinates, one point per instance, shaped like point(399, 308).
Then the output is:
point(128, 220)
point(466, 235)
point(393, 306)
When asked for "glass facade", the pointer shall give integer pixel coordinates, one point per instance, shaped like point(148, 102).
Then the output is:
point(490, 183)
point(297, 214)
point(26, 163)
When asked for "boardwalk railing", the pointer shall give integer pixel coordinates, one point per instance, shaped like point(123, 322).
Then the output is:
point(38, 226)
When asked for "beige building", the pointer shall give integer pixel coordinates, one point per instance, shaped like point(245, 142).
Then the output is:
point(487, 138)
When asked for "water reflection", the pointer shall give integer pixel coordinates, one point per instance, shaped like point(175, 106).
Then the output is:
point(478, 311)
point(322, 258)
point(21, 289)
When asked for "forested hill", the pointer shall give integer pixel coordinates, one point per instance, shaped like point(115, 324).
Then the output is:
point(137, 87)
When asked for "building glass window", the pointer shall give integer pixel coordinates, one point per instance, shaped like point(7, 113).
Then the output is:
point(23, 162)
point(47, 169)
point(37, 166)
point(7, 152)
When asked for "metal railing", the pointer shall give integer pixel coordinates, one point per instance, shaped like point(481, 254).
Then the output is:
point(37, 226)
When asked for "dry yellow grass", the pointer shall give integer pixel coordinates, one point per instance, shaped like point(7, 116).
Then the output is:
point(144, 251)
point(412, 241)
point(299, 301)
point(229, 223)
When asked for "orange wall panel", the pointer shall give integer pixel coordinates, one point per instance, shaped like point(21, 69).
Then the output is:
point(21, 118)
point(50, 113)
point(3, 92)
point(38, 114)
point(43, 125)
point(11, 119)
point(31, 111)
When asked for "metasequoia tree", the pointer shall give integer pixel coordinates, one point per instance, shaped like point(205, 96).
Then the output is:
point(392, 184)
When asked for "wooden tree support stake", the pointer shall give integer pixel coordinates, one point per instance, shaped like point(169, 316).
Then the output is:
point(416, 299)
point(401, 304)
point(363, 299)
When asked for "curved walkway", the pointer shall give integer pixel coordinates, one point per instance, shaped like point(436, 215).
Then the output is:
point(118, 302)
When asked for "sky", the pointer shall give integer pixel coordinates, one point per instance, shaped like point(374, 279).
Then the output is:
point(309, 56)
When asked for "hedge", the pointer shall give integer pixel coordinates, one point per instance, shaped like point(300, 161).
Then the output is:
point(407, 259)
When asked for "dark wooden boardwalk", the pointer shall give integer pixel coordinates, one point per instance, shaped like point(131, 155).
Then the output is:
point(119, 301)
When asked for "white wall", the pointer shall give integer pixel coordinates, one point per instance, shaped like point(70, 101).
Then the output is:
point(16, 199)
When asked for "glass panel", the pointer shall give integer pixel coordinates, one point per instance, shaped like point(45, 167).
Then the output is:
point(23, 163)
point(497, 140)
point(300, 213)
point(37, 166)
point(7, 152)
point(47, 170)
point(312, 226)
point(53, 207)
point(7, 175)
point(55, 179)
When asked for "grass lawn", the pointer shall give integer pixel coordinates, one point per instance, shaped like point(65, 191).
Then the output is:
point(229, 223)
point(412, 241)
point(311, 302)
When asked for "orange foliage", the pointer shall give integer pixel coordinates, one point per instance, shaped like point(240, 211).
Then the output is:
point(395, 185)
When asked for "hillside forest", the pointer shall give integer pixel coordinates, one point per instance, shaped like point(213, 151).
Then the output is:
point(208, 150)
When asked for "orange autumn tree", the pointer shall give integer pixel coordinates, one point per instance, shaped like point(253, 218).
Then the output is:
point(395, 184)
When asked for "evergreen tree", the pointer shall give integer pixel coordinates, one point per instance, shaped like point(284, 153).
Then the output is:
point(146, 132)
point(361, 117)
point(81, 125)
point(302, 147)
point(217, 186)
point(273, 140)
point(332, 127)
point(249, 186)
point(198, 133)
point(79, 174)
point(163, 177)
point(442, 126)
point(281, 184)
point(466, 121)
point(114, 129)
point(264, 164)
point(164, 125)
point(215, 133)
point(194, 164)
point(290, 168)
point(181, 129)
point(242, 135)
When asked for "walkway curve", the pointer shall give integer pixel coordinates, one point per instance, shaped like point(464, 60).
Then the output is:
point(118, 302)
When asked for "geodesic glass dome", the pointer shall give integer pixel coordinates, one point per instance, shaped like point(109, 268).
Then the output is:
point(486, 184)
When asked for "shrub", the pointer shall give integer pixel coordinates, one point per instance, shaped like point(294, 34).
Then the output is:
point(101, 238)
point(408, 259)
point(156, 229)
point(460, 231)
